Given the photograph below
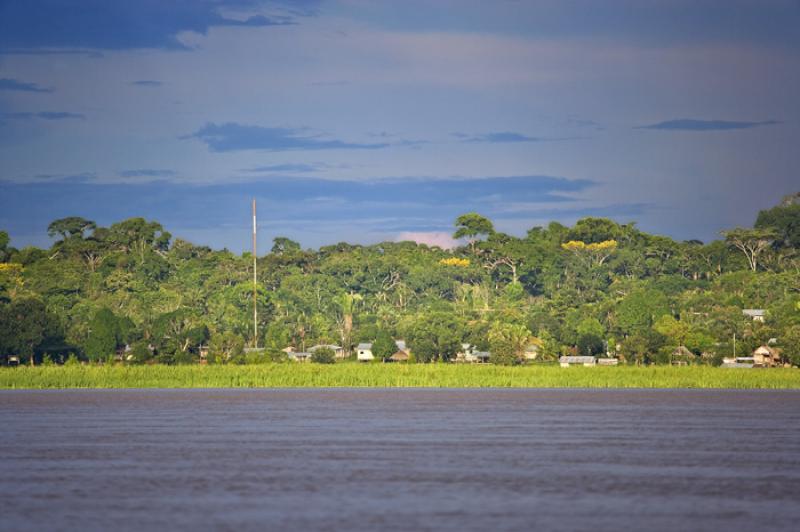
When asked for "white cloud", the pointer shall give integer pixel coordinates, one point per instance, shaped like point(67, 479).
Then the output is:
point(431, 238)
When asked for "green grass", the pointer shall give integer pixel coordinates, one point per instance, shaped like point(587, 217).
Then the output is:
point(393, 375)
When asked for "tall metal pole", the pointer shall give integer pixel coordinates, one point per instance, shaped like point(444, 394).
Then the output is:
point(255, 281)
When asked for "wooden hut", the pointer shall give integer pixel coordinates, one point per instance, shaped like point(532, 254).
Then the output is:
point(399, 356)
point(766, 357)
point(681, 356)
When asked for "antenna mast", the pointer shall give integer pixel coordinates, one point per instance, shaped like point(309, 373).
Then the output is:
point(255, 281)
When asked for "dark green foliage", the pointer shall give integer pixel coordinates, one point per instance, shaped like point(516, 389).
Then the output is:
point(225, 348)
point(25, 324)
point(383, 347)
point(640, 309)
point(593, 230)
point(104, 336)
point(323, 355)
point(282, 245)
point(73, 226)
point(590, 344)
point(784, 219)
point(435, 337)
point(140, 352)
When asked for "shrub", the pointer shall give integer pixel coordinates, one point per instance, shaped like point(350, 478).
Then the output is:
point(323, 355)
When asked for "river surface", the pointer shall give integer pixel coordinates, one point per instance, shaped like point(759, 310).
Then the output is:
point(399, 459)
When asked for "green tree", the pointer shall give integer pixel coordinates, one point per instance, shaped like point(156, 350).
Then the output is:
point(225, 347)
point(282, 246)
point(104, 336)
point(507, 342)
point(472, 226)
point(435, 337)
point(323, 355)
point(751, 242)
point(784, 219)
point(24, 324)
point(790, 342)
point(383, 347)
point(73, 226)
point(640, 309)
point(590, 344)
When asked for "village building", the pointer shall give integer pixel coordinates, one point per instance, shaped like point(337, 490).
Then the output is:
point(203, 352)
point(338, 350)
point(399, 356)
point(607, 361)
point(299, 356)
point(364, 352)
point(681, 356)
point(532, 352)
point(737, 362)
point(470, 354)
point(756, 314)
point(767, 357)
point(573, 360)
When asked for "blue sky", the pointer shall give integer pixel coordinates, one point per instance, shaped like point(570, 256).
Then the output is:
point(366, 121)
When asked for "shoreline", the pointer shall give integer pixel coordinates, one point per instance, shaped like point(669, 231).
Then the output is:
point(394, 376)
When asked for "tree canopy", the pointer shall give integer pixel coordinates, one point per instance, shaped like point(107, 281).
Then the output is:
point(594, 286)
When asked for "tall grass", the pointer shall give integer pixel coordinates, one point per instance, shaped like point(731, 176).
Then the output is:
point(393, 375)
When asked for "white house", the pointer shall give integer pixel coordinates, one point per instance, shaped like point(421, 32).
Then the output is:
point(364, 352)
point(756, 314)
point(470, 353)
point(567, 361)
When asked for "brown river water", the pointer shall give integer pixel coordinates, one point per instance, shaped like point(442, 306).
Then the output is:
point(400, 459)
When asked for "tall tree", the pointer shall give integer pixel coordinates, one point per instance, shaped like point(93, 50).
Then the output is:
point(104, 335)
point(72, 226)
point(472, 226)
point(751, 242)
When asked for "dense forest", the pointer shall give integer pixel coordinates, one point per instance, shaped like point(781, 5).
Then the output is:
point(597, 287)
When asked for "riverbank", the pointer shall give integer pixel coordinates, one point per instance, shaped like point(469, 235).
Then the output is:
point(393, 376)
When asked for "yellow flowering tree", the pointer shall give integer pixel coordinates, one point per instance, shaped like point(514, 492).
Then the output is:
point(595, 254)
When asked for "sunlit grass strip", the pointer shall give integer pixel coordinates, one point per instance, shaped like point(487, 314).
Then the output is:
point(393, 375)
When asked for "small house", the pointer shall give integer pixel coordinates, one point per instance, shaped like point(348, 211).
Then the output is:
point(532, 351)
point(461, 356)
point(607, 362)
point(737, 362)
point(681, 356)
point(576, 360)
point(766, 357)
point(364, 352)
point(400, 356)
point(299, 356)
point(479, 357)
point(756, 314)
point(469, 353)
point(337, 350)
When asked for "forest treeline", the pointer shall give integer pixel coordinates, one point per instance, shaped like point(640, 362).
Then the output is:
point(592, 288)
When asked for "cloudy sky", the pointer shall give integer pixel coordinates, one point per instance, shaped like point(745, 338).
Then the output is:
point(367, 120)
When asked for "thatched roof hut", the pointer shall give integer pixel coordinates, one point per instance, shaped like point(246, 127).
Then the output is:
point(400, 356)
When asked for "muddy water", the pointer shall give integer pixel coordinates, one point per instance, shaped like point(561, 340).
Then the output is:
point(399, 460)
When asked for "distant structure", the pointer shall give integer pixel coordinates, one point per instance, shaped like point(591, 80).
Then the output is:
point(572, 360)
point(255, 281)
point(756, 314)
